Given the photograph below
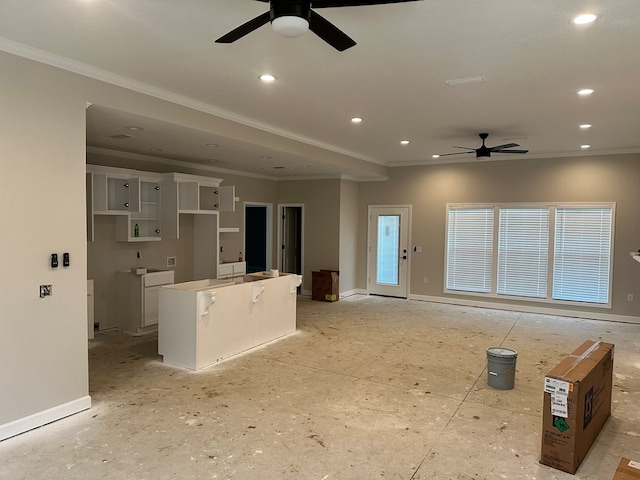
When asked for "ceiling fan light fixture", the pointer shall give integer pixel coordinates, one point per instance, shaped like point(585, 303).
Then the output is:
point(290, 26)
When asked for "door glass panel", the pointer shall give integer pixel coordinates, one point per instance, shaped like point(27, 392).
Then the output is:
point(388, 253)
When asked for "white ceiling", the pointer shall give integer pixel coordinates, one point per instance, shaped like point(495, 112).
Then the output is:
point(533, 60)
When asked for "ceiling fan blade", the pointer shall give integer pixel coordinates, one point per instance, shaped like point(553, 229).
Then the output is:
point(352, 3)
point(510, 151)
point(466, 148)
point(500, 147)
point(457, 153)
point(245, 29)
point(328, 32)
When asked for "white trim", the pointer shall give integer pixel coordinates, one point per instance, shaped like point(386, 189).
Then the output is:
point(538, 156)
point(168, 161)
point(42, 418)
point(528, 309)
point(355, 291)
point(83, 69)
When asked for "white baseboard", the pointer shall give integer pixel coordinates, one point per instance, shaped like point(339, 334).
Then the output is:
point(42, 418)
point(355, 291)
point(529, 309)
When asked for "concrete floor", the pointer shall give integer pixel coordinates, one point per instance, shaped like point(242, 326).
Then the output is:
point(367, 388)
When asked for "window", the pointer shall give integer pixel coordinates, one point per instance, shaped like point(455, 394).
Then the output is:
point(523, 252)
point(547, 252)
point(582, 259)
point(470, 249)
point(388, 249)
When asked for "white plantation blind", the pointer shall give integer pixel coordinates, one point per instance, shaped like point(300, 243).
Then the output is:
point(582, 262)
point(469, 249)
point(523, 252)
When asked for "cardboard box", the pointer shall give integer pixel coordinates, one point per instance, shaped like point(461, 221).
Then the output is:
point(324, 285)
point(577, 403)
point(627, 470)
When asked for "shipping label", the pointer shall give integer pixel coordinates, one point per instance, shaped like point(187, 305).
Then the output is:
point(555, 386)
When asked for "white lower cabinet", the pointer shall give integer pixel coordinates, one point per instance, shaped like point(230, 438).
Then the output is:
point(206, 321)
point(232, 269)
point(138, 299)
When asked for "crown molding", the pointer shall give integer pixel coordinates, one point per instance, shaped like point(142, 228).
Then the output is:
point(89, 71)
point(174, 163)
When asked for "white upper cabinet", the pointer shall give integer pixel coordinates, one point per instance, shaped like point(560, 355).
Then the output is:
point(134, 197)
point(148, 205)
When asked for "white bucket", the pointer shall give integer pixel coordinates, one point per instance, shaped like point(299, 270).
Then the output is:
point(501, 367)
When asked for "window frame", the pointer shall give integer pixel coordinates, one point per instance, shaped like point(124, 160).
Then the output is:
point(552, 206)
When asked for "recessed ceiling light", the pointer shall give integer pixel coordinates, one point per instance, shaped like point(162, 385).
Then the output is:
point(584, 147)
point(585, 91)
point(435, 156)
point(404, 142)
point(155, 150)
point(278, 168)
point(584, 126)
point(136, 129)
point(584, 19)
point(212, 145)
point(267, 77)
point(356, 120)
point(265, 157)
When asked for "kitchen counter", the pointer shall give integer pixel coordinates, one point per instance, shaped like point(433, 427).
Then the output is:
point(206, 321)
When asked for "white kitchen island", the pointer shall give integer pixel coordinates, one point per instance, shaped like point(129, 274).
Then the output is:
point(205, 321)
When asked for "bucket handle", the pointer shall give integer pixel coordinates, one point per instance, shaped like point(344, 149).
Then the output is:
point(513, 365)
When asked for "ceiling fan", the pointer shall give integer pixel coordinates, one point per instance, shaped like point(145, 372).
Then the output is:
point(292, 18)
point(485, 151)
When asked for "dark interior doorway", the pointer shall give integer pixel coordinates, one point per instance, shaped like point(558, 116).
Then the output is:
point(255, 238)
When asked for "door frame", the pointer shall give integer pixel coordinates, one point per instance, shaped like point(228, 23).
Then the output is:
point(281, 207)
point(370, 274)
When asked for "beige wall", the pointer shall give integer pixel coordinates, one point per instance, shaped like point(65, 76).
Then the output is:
point(321, 200)
point(349, 226)
point(586, 179)
point(43, 342)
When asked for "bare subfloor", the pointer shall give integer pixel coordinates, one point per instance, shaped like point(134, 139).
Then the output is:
point(368, 388)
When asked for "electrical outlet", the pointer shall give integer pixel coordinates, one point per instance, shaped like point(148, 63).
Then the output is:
point(171, 262)
point(426, 279)
point(629, 297)
point(46, 290)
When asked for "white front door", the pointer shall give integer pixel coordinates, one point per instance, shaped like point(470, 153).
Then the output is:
point(388, 262)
